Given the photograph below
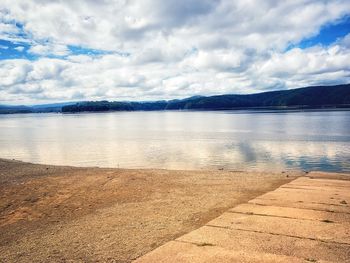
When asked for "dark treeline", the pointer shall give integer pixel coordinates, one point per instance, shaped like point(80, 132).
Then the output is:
point(14, 109)
point(114, 106)
point(310, 97)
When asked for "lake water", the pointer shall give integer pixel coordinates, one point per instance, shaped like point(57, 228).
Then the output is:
point(238, 140)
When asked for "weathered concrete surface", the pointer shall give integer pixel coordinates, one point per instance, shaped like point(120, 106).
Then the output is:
point(259, 242)
point(332, 232)
point(192, 253)
point(290, 212)
point(306, 220)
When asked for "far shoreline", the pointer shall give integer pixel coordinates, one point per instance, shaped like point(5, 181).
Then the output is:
point(233, 110)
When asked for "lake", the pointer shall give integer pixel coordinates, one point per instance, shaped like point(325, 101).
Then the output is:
point(238, 140)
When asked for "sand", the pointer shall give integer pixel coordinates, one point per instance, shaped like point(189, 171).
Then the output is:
point(67, 214)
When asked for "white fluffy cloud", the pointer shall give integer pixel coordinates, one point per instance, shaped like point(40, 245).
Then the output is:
point(167, 49)
point(49, 49)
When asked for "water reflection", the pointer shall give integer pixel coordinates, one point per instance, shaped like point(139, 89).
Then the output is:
point(181, 140)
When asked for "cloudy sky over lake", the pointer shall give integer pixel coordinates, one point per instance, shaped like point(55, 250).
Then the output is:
point(53, 51)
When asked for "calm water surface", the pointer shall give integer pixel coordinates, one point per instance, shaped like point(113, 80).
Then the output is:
point(181, 140)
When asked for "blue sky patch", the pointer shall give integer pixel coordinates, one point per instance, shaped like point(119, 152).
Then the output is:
point(328, 34)
point(76, 50)
point(11, 50)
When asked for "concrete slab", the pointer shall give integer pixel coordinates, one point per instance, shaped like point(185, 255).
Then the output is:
point(326, 197)
point(326, 191)
point(327, 232)
point(255, 242)
point(303, 205)
point(192, 253)
point(296, 213)
point(316, 188)
point(307, 220)
point(324, 175)
point(321, 182)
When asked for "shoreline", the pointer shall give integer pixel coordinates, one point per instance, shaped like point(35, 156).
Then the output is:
point(58, 213)
point(205, 169)
point(281, 170)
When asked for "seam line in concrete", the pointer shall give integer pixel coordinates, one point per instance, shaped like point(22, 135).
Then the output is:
point(322, 210)
point(337, 187)
point(336, 180)
point(197, 244)
point(310, 188)
point(314, 203)
point(288, 217)
point(275, 234)
point(313, 209)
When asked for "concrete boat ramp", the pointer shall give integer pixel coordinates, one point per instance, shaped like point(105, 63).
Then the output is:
point(306, 220)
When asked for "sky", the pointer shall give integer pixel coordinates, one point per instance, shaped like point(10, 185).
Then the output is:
point(72, 50)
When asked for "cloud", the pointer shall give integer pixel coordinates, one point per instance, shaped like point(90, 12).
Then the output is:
point(345, 42)
point(13, 72)
point(49, 49)
point(312, 66)
point(19, 48)
point(7, 29)
point(153, 49)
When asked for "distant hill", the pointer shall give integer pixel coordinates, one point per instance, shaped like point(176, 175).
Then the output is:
point(7, 109)
point(318, 96)
point(310, 97)
point(54, 107)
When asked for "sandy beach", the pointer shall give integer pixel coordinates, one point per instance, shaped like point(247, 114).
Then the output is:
point(67, 214)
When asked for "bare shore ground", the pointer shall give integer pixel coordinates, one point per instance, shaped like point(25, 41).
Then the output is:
point(67, 214)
